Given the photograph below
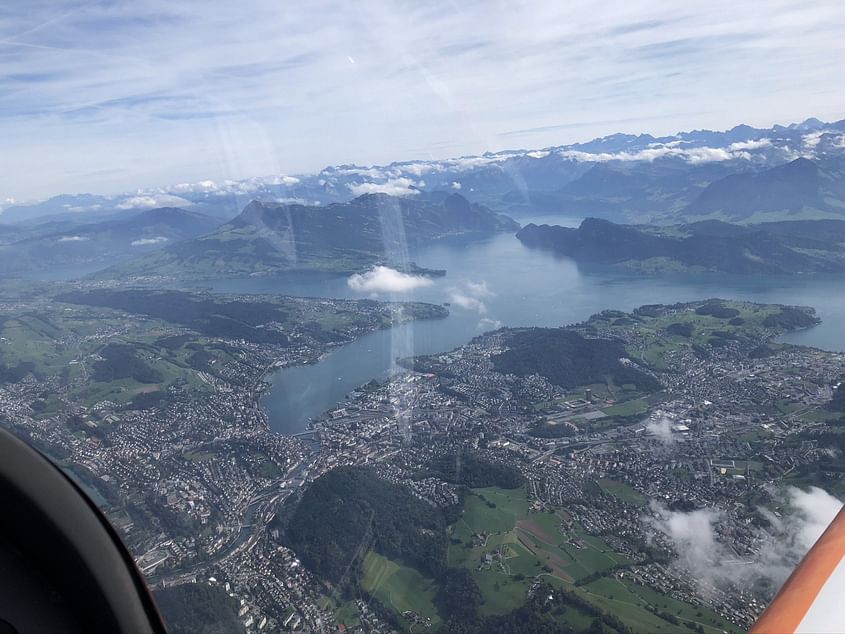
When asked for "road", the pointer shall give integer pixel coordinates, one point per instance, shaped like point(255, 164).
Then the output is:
point(257, 515)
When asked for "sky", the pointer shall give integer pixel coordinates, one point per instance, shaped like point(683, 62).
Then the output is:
point(108, 97)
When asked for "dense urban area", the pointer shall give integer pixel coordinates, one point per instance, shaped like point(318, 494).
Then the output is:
point(553, 461)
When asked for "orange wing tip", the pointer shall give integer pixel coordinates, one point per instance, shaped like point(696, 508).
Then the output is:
point(812, 601)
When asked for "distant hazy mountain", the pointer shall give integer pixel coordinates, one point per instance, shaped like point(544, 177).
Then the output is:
point(622, 177)
point(813, 246)
point(796, 187)
point(341, 237)
point(65, 243)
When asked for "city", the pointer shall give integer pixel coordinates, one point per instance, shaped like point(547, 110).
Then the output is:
point(194, 478)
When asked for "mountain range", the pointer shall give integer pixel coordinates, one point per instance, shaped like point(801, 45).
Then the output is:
point(340, 237)
point(788, 247)
point(622, 177)
point(30, 248)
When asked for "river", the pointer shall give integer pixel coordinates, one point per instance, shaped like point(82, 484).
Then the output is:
point(497, 281)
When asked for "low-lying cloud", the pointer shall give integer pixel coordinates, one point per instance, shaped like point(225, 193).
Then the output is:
point(144, 242)
point(151, 201)
point(394, 187)
point(661, 429)
point(782, 544)
point(383, 279)
point(693, 536)
point(487, 324)
point(470, 295)
point(793, 534)
point(73, 239)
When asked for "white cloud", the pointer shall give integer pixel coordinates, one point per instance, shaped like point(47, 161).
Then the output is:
point(251, 185)
point(467, 301)
point(282, 180)
point(151, 201)
point(710, 155)
point(809, 512)
point(394, 187)
point(750, 145)
point(812, 139)
point(694, 538)
point(143, 242)
point(537, 154)
point(8, 202)
point(383, 279)
point(470, 295)
point(478, 289)
point(456, 185)
point(418, 169)
point(486, 324)
point(662, 429)
point(466, 163)
point(206, 186)
point(73, 239)
point(293, 200)
point(83, 208)
point(694, 156)
point(805, 516)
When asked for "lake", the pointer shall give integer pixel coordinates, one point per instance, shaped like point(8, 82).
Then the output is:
point(495, 282)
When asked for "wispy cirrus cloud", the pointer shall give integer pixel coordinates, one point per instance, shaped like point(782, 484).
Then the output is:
point(114, 96)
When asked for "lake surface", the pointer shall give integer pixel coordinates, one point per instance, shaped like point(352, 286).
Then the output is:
point(495, 282)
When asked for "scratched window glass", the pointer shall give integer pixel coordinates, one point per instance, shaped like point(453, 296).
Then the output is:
point(427, 317)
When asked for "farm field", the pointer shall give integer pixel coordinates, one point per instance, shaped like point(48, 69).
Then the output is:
point(621, 491)
point(507, 545)
point(400, 587)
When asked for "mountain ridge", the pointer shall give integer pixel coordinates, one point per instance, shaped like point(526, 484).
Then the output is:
point(269, 237)
point(766, 248)
point(521, 181)
point(106, 241)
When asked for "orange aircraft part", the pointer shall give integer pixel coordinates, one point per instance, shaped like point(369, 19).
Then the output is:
point(797, 595)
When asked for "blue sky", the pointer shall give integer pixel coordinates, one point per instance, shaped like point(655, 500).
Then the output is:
point(113, 96)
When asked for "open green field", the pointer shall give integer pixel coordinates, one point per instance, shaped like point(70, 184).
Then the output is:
point(399, 587)
point(707, 618)
point(622, 491)
point(64, 343)
point(526, 544)
point(634, 603)
point(200, 456)
point(628, 408)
